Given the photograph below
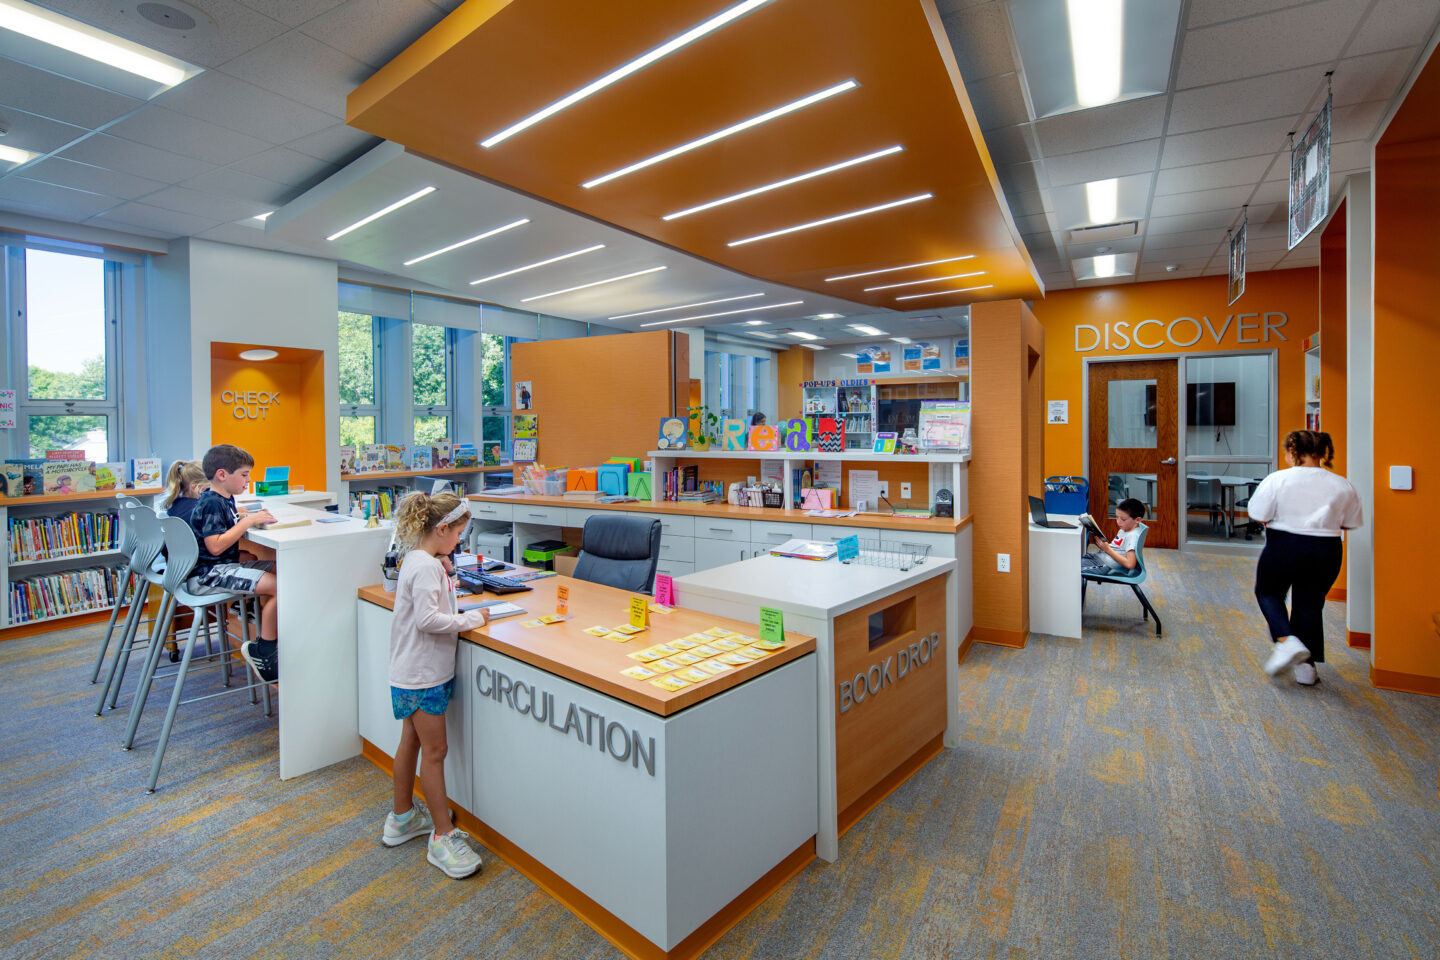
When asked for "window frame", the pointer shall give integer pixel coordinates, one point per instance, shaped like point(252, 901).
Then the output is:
point(446, 410)
point(377, 378)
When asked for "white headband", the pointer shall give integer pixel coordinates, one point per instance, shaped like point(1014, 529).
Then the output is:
point(455, 514)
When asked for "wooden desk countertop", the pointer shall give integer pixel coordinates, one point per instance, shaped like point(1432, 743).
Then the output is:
point(566, 650)
point(774, 514)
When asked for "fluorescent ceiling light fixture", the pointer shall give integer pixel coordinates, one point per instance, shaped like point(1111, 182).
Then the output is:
point(756, 323)
point(1096, 47)
point(780, 111)
point(725, 313)
point(1104, 266)
point(15, 155)
point(259, 354)
point(812, 346)
point(852, 356)
point(940, 293)
point(801, 334)
point(380, 213)
point(784, 183)
point(624, 70)
point(539, 263)
point(1102, 200)
point(262, 217)
point(866, 329)
point(757, 333)
point(479, 236)
point(827, 316)
point(685, 306)
point(912, 283)
point(594, 283)
point(908, 266)
point(835, 219)
point(93, 44)
point(902, 339)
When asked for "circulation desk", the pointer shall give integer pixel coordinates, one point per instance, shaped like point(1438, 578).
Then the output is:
point(658, 817)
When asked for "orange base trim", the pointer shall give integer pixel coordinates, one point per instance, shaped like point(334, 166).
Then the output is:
point(871, 798)
point(621, 935)
point(1405, 682)
point(1360, 641)
point(1005, 638)
point(1336, 594)
point(966, 644)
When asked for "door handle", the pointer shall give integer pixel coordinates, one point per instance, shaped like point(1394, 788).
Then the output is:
point(1169, 462)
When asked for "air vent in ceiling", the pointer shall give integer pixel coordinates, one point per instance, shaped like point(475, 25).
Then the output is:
point(1104, 233)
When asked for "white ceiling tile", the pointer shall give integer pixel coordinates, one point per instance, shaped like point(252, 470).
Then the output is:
point(61, 202)
point(1278, 95)
point(1037, 223)
point(984, 48)
point(244, 107)
point(1203, 13)
point(209, 206)
point(85, 176)
point(1201, 201)
point(1192, 254)
point(1357, 121)
point(304, 69)
point(1008, 145)
point(1395, 23)
point(283, 165)
point(336, 143)
point(1377, 76)
point(49, 95)
point(1216, 270)
point(135, 159)
point(1313, 33)
point(168, 223)
point(1225, 143)
point(1273, 191)
point(35, 133)
point(1267, 244)
point(1353, 155)
point(998, 101)
point(188, 136)
point(1197, 228)
point(1117, 161)
point(1241, 171)
point(228, 182)
point(1020, 177)
point(1026, 204)
point(374, 31)
point(1142, 119)
point(292, 13)
point(237, 28)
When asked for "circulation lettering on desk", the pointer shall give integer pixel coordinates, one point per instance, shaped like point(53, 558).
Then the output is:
point(888, 672)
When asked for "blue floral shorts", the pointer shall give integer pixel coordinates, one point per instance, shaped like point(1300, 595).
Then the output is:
point(433, 700)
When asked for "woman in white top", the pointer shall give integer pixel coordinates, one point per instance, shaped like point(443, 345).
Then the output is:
point(1305, 510)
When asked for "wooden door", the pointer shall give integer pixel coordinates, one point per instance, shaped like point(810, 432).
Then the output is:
point(1133, 424)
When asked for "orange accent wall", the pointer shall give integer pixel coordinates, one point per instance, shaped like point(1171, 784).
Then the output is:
point(289, 432)
point(1407, 390)
point(1291, 292)
point(793, 367)
point(1333, 330)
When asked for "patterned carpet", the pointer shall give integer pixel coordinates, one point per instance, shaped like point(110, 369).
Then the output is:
point(1118, 797)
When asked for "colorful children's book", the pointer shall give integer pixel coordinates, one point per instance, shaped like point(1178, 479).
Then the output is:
point(347, 458)
point(12, 480)
point(492, 453)
point(464, 455)
point(527, 426)
point(32, 475)
point(145, 472)
point(109, 476)
point(372, 458)
point(395, 458)
point(672, 433)
point(441, 449)
point(422, 458)
point(69, 476)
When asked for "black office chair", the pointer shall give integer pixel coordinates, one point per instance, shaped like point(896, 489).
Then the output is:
point(619, 551)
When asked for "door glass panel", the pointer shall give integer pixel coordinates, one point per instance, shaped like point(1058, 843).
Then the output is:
point(1132, 414)
point(1124, 486)
point(1216, 494)
point(1227, 407)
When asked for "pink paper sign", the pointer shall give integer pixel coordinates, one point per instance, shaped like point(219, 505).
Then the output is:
point(664, 589)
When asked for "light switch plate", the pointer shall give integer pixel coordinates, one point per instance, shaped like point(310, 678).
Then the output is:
point(1402, 478)
point(904, 491)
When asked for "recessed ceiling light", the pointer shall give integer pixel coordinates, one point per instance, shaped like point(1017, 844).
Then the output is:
point(539, 263)
point(721, 134)
point(262, 217)
point(479, 236)
point(852, 356)
point(259, 354)
point(757, 333)
point(911, 283)
point(685, 306)
point(784, 183)
point(15, 155)
point(801, 334)
point(868, 330)
point(1102, 200)
point(835, 219)
point(1171, 267)
point(908, 266)
point(827, 316)
point(756, 323)
point(812, 346)
point(593, 283)
point(93, 44)
point(723, 313)
point(1103, 266)
point(1097, 49)
point(624, 70)
point(382, 212)
point(941, 293)
point(902, 339)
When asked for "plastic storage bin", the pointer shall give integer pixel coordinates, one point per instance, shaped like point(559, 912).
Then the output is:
point(1067, 495)
point(612, 479)
point(542, 553)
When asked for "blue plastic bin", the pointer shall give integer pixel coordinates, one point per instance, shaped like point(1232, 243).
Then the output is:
point(1067, 495)
point(613, 479)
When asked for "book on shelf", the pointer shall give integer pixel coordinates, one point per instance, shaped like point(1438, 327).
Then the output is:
point(12, 480)
point(464, 455)
point(112, 475)
point(69, 476)
point(440, 452)
point(422, 458)
point(347, 458)
point(370, 458)
point(395, 457)
point(67, 535)
point(64, 593)
point(145, 471)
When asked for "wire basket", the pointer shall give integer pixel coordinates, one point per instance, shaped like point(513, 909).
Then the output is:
point(774, 498)
point(888, 553)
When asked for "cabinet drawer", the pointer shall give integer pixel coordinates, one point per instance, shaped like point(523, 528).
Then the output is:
point(485, 510)
point(677, 526)
point(553, 516)
point(769, 534)
point(576, 518)
point(717, 553)
point(674, 568)
point(717, 528)
point(677, 548)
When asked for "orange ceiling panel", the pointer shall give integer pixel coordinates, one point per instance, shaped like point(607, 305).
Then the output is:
point(494, 62)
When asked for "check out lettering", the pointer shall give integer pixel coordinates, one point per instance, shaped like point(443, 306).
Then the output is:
point(1180, 332)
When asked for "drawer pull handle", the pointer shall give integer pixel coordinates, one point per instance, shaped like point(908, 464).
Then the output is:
point(539, 515)
point(722, 529)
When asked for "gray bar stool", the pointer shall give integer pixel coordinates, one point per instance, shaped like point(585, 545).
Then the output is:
point(126, 547)
point(149, 538)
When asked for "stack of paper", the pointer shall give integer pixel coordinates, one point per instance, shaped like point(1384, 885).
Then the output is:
point(804, 550)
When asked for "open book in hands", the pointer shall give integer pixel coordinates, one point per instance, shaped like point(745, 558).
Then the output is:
point(1088, 522)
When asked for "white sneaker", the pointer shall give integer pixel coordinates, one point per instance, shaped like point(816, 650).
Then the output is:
point(418, 824)
point(1287, 653)
point(1305, 674)
point(455, 858)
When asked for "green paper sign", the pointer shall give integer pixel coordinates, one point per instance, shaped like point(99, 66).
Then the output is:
point(772, 625)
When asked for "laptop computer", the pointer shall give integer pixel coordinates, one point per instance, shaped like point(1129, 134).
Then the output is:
point(1037, 515)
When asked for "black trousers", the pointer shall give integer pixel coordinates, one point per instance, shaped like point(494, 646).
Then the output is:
point(1307, 567)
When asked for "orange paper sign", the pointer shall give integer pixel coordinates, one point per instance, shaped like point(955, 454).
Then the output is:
point(562, 599)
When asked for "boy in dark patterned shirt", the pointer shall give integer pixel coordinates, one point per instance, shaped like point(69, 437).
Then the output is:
point(219, 525)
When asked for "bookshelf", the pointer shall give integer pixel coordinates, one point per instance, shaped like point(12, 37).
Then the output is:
point(398, 481)
point(855, 405)
point(55, 538)
point(1312, 382)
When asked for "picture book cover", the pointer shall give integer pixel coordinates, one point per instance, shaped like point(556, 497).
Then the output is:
point(347, 458)
point(69, 476)
point(527, 426)
point(111, 476)
point(395, 456)
point(442, 453)
point(464, 455)
point(422, 458)
point(371, 458)
point(492, 454)
point(64, 454)
point(145, 472)
point(672, 433)
point(12, 480)
point(32, 474)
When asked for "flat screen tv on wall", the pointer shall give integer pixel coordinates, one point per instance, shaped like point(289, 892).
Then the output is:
point(1210, 404)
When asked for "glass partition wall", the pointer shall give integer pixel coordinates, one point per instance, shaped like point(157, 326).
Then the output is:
point(1228, 410)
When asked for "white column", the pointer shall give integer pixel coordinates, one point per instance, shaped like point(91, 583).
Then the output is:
point(1359, 399)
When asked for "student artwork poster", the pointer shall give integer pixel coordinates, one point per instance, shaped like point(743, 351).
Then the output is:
point(524, 400)
point(873, 360)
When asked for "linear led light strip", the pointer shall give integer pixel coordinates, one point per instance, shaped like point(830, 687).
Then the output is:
point(784, 183)
point(725, 313)
point(539, 263)
point(685, 306)
point(15, 155)
point(908, 266)
point(835, 219)
point(941, 293)
point(380, 213)
point(781, 111)
point(912, 283)
point(479, 236)
point(595, 283)
point(624, 70)
point(79, 38)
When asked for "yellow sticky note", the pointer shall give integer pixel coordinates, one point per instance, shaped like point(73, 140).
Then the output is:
point(708, 650)
point(671, 683)
point(627, 628)
point(533, 623)
point(550, 618)
point(660, 608)
point(665, 648)
point(686, 658)
point(735, 659)
point(749, 653)
point(639, 673)
point(639, 612)
point(723, 644)
point(758, 651)
point(693, 674)
point(713, 667)
point(719, 632)
point(682, 644)
point(663, 665)
point(619, 637)
point(644, 656)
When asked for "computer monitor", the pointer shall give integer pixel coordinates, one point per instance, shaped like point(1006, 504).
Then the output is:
point(436, 485)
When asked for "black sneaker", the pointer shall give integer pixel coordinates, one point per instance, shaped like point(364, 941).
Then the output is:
point(263, 657)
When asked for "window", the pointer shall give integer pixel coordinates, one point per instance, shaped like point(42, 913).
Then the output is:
point(68, 396)
point(494, 391)
point(737, 385)
point(431, 350)
point(359, 359)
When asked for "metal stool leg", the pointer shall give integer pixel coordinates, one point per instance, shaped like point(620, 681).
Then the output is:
point(110, 627)
point(127, 637)
point(147, 676)
point(153, 638)
point(170, 713)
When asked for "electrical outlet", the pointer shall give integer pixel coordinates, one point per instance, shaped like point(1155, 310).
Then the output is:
point(904, 491)
point(885, 489)
point(1002, 562)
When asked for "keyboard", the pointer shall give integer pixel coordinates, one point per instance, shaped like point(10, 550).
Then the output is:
point(482, 582)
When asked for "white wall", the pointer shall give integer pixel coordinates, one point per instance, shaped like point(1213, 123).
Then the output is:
point(170, 413)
